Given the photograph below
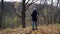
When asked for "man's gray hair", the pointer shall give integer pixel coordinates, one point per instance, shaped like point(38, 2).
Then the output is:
point(34, 8)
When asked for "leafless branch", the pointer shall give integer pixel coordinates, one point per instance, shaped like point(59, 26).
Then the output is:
point(27, 2)
point(15, 11)
point(27, 6)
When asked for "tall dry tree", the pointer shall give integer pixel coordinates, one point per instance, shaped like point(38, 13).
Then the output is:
point(45, 8)
point(23, 14)
point(51, 12)
point(2, 12)
point(58, 11)
point(56, 14)
point(25, 6)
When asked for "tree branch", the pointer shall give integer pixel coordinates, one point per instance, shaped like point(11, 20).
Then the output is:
point(15, 11)
point(27, 2)
point(27, 6)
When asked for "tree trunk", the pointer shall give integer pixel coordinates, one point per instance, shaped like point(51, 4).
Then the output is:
point(51, 11)
point(1, 13)
point(56, 14)
point(23, 14)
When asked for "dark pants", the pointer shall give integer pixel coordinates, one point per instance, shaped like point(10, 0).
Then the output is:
point(34, 25)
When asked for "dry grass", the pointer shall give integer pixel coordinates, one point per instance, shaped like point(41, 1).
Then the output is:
point(50, 29)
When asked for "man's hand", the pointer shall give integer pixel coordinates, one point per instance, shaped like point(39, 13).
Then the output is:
point(37, 16)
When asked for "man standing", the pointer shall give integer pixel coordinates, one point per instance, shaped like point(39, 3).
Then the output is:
point(34, 19)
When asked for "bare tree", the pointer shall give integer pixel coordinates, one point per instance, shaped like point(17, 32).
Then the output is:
point(25, 6)
point(51, 12)
point(58, 10)
point(23, 14)
point(56, 14)
point(2, 12)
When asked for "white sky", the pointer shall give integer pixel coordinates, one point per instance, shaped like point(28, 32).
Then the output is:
point(21, 0)
point(18, 1)
point(13, 0)
point(49, 1)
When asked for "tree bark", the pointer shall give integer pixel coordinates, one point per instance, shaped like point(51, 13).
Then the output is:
point(56, 14)
point(1, 13)
point(23, 14)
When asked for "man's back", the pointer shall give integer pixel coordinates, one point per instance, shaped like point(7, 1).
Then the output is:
point(34, 14)
point(34, 19)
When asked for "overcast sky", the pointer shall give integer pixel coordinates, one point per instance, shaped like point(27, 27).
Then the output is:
point(21, 0)
point(49, 2)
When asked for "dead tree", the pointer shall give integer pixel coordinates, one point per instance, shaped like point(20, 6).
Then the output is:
point(25, 6)
point(2, 12)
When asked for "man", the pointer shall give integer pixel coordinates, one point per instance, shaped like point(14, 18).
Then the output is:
point(34, 19)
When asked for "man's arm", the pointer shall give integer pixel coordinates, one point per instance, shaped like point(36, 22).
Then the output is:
point(37, 12)
point(37, 15)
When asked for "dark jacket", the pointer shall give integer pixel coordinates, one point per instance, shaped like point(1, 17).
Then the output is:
point(34, 15)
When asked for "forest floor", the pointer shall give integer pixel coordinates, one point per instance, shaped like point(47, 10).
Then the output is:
point(50, 29)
